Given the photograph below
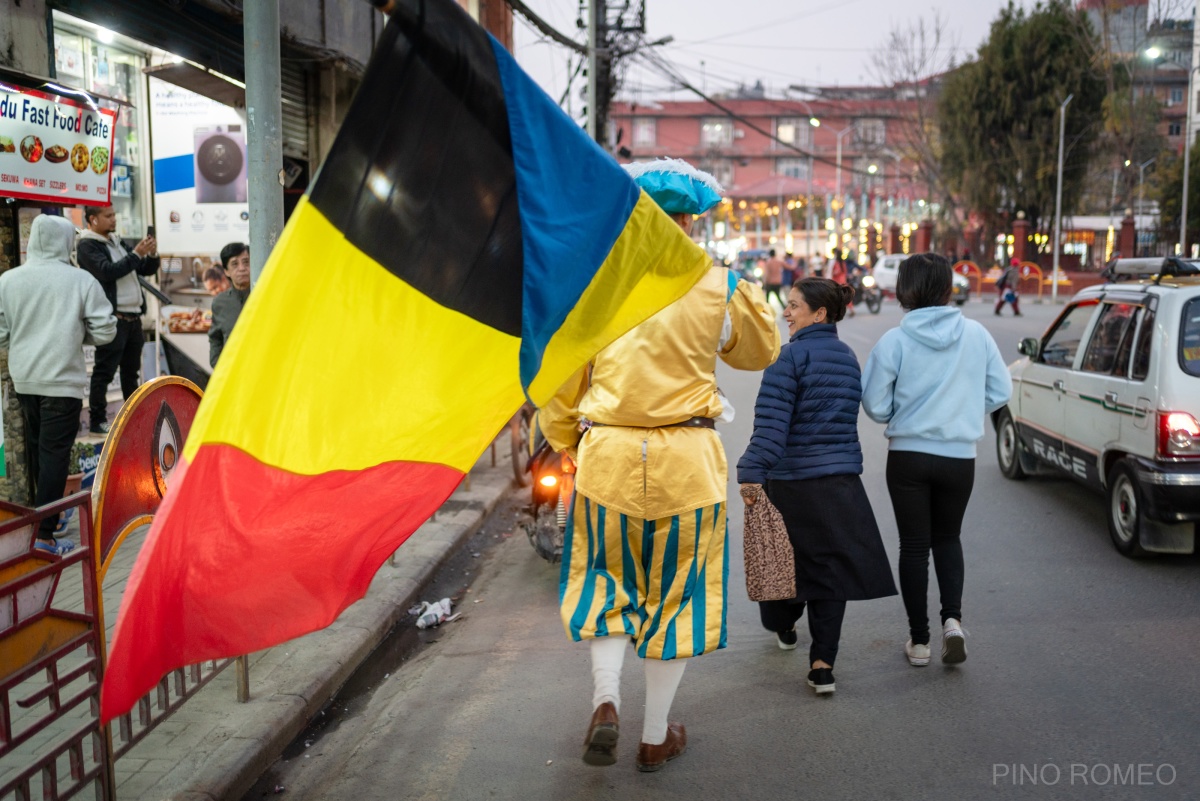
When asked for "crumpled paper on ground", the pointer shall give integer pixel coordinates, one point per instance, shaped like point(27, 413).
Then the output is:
point(430, 615)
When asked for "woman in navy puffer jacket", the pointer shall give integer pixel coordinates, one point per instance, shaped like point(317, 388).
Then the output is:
point(805, 453)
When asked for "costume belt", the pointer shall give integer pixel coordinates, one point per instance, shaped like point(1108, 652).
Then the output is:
point(127, 317)
point(691, 422)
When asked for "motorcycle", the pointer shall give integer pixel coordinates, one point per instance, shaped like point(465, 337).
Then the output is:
point(550, 499)
point(866, 290)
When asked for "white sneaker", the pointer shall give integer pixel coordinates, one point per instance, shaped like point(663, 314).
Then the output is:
point(918, 655)
point(954, 643)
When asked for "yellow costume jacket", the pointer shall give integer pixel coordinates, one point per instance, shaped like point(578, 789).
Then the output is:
point(660, 373)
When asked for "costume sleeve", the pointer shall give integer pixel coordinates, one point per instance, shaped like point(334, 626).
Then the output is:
point(772, 420)
point(559, 418)
point(94, 257)
point(149, 265)
point(998, 389)
point(753, 342)
point(100, 326)
point(879, 381)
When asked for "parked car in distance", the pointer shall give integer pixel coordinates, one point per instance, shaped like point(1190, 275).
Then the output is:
point(1110, 395)
point(887, 267)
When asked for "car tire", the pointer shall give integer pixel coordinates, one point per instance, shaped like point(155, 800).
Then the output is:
point(1125, 506)
point(1008, 448)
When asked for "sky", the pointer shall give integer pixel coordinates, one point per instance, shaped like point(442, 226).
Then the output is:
point(780, 42)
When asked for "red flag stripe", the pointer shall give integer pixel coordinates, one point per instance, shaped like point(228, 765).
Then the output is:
point(350, 522)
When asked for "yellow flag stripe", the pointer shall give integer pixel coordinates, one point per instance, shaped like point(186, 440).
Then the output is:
point(651, 265)
point(373, 370)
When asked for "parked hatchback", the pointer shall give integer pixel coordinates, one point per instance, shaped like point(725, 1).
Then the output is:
point(1110, 395)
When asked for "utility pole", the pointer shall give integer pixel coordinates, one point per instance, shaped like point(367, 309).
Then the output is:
point(597, 89)
point(1062, 134)
point(264, 124)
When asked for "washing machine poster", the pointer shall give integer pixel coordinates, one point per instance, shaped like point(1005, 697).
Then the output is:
point(199, 171)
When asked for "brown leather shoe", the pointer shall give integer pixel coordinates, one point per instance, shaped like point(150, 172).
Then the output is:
point(653, 757)
point(600, 747)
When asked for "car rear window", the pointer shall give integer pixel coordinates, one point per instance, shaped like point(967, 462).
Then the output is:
point(1189, 341)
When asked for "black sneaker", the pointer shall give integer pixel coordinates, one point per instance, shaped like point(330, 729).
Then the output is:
point(821, 680)
point(787, 639)
point(101, 429)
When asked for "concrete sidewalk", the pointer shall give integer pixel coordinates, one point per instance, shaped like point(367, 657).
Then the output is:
point(215, 748)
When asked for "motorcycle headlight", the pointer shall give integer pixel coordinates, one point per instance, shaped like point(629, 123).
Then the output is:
point(548, 481)
point(758, 272)
point(868, 281)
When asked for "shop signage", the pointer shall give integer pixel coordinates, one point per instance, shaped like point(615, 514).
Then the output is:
point(54, 149)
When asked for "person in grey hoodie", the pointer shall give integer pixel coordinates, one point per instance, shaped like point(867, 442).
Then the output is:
point(48, 310)
point(932, 380)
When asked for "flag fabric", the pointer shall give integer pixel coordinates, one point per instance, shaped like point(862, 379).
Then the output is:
point(464, 246)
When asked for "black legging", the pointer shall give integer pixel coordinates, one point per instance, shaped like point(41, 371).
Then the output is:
point(929, 495)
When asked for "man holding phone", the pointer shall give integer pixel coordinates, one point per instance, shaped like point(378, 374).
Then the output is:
point(102, 254)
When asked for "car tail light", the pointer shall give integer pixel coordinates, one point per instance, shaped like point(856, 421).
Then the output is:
point(1178, 435)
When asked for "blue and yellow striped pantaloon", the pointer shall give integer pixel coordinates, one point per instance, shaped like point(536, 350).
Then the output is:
point(661, 582)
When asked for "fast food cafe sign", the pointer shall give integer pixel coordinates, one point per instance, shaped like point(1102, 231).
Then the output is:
point(54, 149)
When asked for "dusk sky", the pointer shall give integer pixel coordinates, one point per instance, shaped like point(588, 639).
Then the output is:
point(780, 42)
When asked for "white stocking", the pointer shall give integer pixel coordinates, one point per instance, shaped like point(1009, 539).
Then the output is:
point(608, 654)
point(662, 679)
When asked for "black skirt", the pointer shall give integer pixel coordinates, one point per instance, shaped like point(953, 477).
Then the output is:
point(839, 552)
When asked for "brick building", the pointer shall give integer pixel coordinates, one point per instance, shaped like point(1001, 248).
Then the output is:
point(778, 160)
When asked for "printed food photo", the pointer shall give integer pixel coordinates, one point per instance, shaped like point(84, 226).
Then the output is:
point(31, 149)
point(56, 154)
point(99, 160)
point(6, 145)
point(80, 158)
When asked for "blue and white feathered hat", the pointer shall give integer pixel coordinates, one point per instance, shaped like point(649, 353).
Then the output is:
point(676, 186)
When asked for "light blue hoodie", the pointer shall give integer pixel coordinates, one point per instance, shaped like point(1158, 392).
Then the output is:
point(932, 380)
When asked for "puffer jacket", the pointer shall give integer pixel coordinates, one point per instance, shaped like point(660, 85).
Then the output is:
point(806, 416)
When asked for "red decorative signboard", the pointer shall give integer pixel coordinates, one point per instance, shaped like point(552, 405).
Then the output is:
point(55, 149)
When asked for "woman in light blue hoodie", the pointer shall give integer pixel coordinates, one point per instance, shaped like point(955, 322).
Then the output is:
point(932, 380)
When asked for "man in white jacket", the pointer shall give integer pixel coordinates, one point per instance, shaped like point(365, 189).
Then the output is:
point(48, 309)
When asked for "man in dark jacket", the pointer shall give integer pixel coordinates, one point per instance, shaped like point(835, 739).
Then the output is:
point(101, 253)
point(227, 307)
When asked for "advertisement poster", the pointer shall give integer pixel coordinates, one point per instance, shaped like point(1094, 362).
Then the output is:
point(54, 149)
point(199, 171)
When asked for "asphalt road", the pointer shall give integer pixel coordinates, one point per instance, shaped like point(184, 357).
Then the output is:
point(1081, 682)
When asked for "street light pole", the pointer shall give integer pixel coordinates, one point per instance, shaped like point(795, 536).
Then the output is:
point(264, 126)
point(1062, 133)
point(1187, 158)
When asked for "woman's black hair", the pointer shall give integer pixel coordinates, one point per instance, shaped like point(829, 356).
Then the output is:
point(925, 279)
point(824, 293)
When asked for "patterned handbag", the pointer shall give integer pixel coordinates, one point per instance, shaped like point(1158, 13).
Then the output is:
point(770, 562)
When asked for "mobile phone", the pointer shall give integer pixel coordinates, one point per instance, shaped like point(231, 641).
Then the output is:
point(149, 230)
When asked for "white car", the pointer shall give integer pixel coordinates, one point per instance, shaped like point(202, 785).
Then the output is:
point(888, 267)
point(1110, 395)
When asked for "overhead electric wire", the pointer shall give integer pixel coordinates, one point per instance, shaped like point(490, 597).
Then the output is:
point(545, 27)
point(656, 62)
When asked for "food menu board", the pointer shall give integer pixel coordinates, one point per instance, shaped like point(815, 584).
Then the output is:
point(54, 149)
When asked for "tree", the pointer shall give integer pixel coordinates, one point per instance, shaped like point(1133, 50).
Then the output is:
point(1169, 192)
point(999, 115)
point(912, 60)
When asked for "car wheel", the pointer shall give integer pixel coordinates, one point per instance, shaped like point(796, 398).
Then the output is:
point(1008, 446)
point(1125, 509)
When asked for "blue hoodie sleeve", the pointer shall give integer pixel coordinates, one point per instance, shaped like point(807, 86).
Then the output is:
point(998, 389)
point(772, 420)
point(879, 380)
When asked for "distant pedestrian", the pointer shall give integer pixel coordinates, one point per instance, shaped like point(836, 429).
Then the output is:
point(227, 307)
point(932, 380)
point(841, 274)
point(216, 281)
point(48, 310)
point(1006, 288)
point(773, 278)
point(101, 253)
point(789, 271)
point(806, 454)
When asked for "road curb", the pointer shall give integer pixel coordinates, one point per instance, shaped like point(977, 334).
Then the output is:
point(302, 676)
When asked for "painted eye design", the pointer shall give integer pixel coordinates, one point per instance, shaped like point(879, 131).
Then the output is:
point(166, 448)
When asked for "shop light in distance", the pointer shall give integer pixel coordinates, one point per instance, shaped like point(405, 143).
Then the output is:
point(104, 35)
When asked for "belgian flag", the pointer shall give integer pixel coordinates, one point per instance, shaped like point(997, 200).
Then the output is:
point(464, 246)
